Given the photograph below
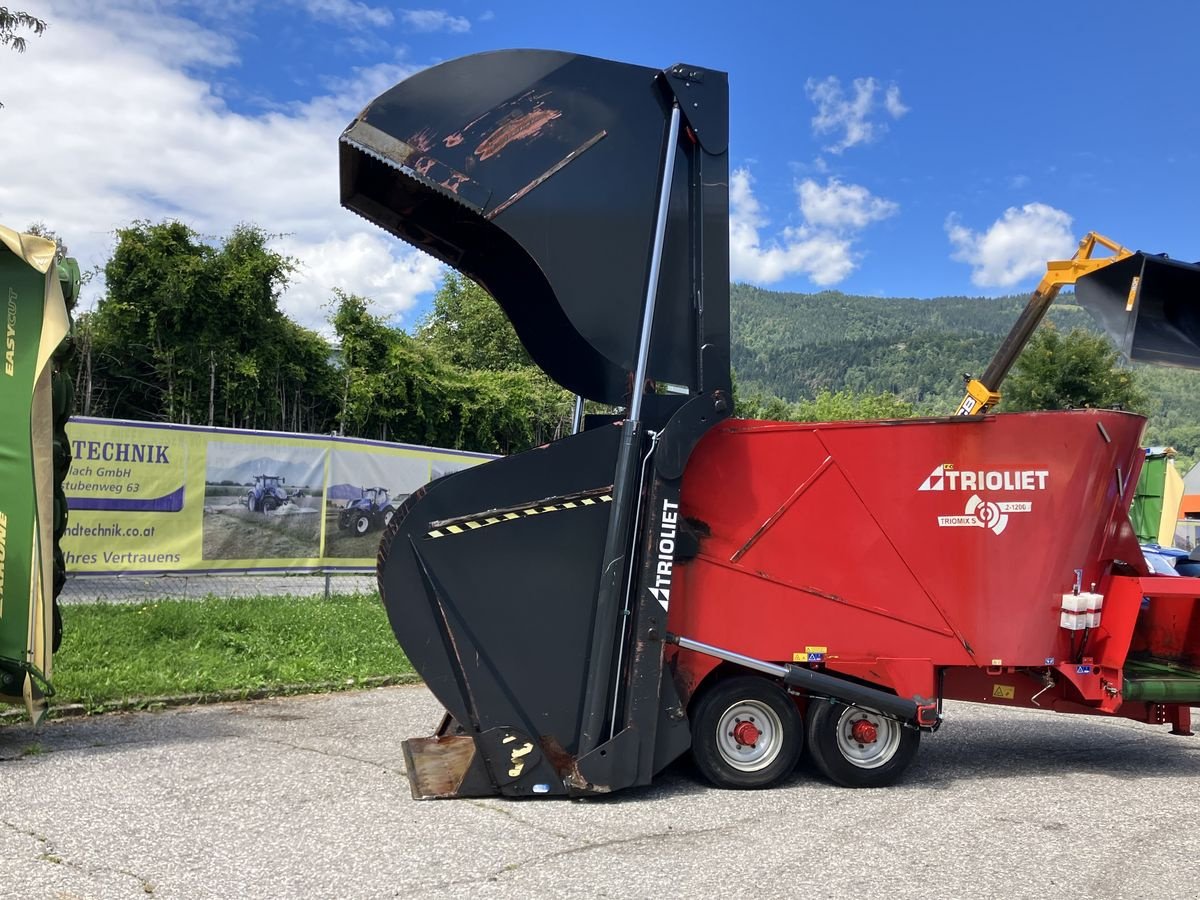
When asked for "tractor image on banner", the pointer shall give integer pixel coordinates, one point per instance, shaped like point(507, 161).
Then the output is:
point(672, 578)
point(268, 493)
point(370, 510)
point(34, 405)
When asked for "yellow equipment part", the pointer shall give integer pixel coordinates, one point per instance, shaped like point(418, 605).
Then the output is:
point(984, 392)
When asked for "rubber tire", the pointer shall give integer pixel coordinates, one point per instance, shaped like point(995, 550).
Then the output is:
point(706, 715)
point(250, 502)
point(362, 523)
point(821, 734)
point(387, 516)
point(269, 503)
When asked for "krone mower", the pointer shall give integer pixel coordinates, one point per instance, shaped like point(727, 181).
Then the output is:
point(673, 578)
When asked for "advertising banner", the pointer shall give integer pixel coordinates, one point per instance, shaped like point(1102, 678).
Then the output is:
point(150, 498)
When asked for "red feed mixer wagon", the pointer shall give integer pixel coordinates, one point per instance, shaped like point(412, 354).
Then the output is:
point(670, 578)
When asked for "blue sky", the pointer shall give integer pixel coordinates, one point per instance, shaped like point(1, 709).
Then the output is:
point(889, 149)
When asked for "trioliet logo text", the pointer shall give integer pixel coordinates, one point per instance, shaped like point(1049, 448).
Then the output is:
point(978, 512)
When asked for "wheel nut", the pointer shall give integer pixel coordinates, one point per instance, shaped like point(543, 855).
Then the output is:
point(864, 732)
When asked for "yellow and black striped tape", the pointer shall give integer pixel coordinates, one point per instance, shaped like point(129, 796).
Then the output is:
point(465, 525)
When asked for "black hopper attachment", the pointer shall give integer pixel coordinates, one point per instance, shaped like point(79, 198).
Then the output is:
point(590, 199)
point(1149, 305)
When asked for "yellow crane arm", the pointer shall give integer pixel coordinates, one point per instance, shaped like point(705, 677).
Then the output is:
point(984, 392)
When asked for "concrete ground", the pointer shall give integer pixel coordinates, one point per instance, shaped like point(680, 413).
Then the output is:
point(306, 797)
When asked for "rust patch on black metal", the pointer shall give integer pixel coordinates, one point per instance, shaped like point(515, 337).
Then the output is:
point(422, 141)
point(454, 181)
point(570, 157)
point(562, 761)
point(437, 765)
point(450, 180)
point(558, 757)
point(516, 126)
point(685, 683)
point(567, 767)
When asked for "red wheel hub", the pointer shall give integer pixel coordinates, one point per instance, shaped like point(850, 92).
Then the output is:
point(864, 732)
point(746, 733)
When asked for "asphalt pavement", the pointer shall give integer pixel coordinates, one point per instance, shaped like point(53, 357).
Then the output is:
point(306, 797)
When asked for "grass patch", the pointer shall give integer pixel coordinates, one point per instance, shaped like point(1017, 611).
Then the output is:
point(117, 653)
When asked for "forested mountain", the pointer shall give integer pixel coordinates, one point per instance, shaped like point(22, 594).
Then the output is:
point(191, 331)
point(795, 346)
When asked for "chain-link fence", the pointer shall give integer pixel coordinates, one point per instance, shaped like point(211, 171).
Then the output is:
point(190, 585)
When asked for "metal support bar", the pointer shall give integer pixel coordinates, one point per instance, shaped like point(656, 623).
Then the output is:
point(849, 692)
point(577, 415)
point(660, 235)
point(625, 488)
point(983, 392)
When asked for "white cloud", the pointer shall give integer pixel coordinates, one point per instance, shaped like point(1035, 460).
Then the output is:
point(891, 102)
point(348, 13)
point(434, 20)
point(820, 248)
point(360, 263)
point(1015, 247)
point(839, 206)
point(852, 119)
point(347, 96)
point(146, 139)
point(139, 23)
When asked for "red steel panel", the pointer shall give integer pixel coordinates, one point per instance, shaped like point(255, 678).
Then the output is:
point(949, 540)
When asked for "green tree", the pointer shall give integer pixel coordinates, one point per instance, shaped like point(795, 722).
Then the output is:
point(1174, 411)
point(470, 329)
point(401, 387)
point(827, 406)
point(1078, 369)
point(189, 332)
point(766, 407)
point(841, 406)
point(12, 23)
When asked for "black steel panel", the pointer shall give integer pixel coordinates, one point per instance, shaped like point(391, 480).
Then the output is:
point(497, 619)
point(536, 173)
point(1162, 324)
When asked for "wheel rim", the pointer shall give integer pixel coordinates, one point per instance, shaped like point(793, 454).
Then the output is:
point(749, 735)
point(866, 739)
point(363, 525)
